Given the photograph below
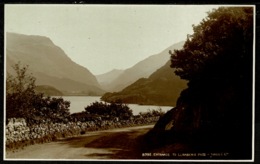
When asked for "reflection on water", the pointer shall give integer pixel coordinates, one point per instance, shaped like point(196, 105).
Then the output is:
point(78, 103)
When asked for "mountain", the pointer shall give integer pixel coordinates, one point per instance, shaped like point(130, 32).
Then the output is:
point(142, 69)
point(106, 78)
point(50, 65)
point(163, 87)
point(48, 90)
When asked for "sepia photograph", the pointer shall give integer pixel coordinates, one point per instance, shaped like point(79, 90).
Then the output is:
point(92, 82)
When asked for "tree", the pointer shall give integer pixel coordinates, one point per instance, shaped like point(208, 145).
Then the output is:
point(20, 92)
point(23, 101)
point(215, 111)
point(219, 46)
point(217, 60)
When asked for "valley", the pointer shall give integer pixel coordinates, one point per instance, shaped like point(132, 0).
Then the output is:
point(150, 81)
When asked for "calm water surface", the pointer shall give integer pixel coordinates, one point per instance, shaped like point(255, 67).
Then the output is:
point(78, 104)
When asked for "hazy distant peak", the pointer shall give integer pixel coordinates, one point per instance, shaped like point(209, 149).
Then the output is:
point(111, 71)
point(106, 78)
point(117, 70)
point(142, 69)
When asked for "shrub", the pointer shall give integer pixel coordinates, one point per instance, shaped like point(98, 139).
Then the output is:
point(111, 110)
point(152, 113)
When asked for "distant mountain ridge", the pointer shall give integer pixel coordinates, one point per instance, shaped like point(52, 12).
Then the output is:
point(50, 65)
point(106, 78)
point(163, 87)
point(142, 69)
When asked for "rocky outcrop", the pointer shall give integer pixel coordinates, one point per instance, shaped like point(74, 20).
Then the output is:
point(208, 119)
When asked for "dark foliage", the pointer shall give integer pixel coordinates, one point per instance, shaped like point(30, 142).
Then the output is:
point(23, 102)
point(215, 112)
point(217, 61)
point(219, 48)
point(152, 113)
point(51, 108)
point(19, 92)
point(110, 110)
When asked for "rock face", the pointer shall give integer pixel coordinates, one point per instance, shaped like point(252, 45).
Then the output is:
point(49, 64)
point(161, 88)
point(142, 69)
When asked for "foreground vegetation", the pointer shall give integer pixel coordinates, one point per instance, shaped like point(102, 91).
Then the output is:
point(19, 134)
point(22, 101)
point(33, 118)
point(214, 114)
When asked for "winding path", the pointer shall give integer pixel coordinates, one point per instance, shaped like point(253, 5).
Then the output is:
point(122, 143)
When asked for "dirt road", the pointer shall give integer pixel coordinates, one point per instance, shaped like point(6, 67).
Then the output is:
point(123, 143)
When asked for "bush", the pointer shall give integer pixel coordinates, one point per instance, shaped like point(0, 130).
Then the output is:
point(51, 109)
point(114, 109)
point(152, 113)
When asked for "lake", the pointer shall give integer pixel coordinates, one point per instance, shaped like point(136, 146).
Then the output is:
point(78, 104)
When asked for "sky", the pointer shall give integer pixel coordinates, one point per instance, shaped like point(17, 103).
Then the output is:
point(106, 37)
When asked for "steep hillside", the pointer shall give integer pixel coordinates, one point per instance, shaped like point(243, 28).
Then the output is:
point(143, 69)
point(49, 64)
point(161, 88)
point(48, 90)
